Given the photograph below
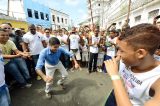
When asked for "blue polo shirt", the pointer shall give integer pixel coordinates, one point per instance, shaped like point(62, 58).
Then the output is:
point(52, 58)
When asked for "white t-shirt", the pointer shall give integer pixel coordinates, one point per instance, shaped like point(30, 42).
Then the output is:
point(139, 84)
point(74, 41)
point(2, 76)
point(64, 38)
point(85, 48)
point(111, 51)
point(34, 42)
point(94, 49)
point(47, 38)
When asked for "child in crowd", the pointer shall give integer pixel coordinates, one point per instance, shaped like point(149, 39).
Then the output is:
point(94, 48)
point(50, 58)
point(101, 52)
point(73, 41)
point(84, 48)
point(139, 71)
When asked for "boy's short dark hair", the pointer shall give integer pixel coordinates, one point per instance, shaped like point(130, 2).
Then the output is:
point(60, 30)
point(113, 30)
point(146, 36)
point(46, 29)
point(54, 41)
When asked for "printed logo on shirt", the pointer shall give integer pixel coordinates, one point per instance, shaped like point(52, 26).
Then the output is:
point(131, 80)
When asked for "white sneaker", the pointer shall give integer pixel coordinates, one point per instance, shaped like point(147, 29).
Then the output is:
point(100, 70)
point(59, 82)
point(26, 86)
point(48, 95)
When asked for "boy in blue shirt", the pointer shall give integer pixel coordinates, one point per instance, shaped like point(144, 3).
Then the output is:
point(49, 57)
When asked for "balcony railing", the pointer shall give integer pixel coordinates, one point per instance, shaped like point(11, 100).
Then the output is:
point(134, 5)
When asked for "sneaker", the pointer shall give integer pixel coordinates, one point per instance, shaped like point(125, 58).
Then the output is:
point(62, 86)
point(48, 95)
point(38, 78)
point(59, 82)
point(26, 86)
point(100, 70)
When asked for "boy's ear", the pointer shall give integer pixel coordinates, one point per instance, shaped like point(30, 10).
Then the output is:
point(141, 53)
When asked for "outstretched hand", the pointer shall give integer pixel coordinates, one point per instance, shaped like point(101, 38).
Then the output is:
point(48, 79)
point(77, 66)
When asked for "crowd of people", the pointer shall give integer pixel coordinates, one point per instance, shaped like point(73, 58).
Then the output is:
point(39, 52)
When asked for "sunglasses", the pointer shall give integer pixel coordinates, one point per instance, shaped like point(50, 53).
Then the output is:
point(32, 29)
point(47, 32)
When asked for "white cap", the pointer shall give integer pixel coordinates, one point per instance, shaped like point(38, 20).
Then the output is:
point(17, 29)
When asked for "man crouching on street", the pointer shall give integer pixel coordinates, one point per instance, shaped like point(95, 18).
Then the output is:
point(49, 57)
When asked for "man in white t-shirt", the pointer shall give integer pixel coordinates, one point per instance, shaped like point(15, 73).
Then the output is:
point(34, 43)
point(74, 40)
point(94, 48)
point(64, 44)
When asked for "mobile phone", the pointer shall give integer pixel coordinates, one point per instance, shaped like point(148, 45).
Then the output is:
point(114, 24)
point(157, 16)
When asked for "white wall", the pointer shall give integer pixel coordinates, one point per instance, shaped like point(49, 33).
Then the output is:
point(16, 9)
point(143, 11)
point(60, 15)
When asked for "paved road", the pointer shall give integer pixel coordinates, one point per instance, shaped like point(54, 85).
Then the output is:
point(82, 90)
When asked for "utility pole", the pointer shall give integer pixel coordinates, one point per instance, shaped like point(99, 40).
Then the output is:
point(103, 14)
point(8, 3)
point(91, 11)
point(129, 9)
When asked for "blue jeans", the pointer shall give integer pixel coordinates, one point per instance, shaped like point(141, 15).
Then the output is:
point(111, 101)
point(35, 59)
point(21, 63)
point(4, 96)
point(65, 60)
point(18, 69)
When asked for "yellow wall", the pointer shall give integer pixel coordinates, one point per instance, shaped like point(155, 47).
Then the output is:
point(16, 24)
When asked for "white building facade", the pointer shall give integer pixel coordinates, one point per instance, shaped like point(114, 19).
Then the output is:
point(59, 19)
point(97, 7)
point(142, 11)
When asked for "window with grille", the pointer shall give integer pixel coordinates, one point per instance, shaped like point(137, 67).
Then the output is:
point(42, 15)
point(29, 13)
point(58, 19)
point(53, 18)
point(36, 14)
point(66, 21)
point(47, 17)
point(153, 13)
point(138, 18)
point(62, 20)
